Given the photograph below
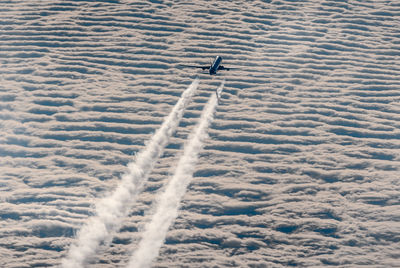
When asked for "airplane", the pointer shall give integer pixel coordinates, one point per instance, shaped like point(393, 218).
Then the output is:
point(213, 68)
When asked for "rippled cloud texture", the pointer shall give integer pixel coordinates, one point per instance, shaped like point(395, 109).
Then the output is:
point(302, 161)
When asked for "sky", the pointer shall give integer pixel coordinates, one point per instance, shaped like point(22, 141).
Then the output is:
point(296, 165)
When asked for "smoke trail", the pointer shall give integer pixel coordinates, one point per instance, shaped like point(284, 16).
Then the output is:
point(168, 203)
point(112, 209)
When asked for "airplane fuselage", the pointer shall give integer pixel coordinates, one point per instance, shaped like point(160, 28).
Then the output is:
point(215, 65)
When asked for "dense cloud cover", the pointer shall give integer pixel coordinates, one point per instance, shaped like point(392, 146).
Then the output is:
point(302, 161)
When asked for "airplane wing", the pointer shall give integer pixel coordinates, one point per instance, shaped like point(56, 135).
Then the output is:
point(226, 68)
point(196, 66)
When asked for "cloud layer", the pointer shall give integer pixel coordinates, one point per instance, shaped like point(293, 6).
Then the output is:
point(301, 167)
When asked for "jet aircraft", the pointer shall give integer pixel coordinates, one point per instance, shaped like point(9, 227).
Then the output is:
point(213, 68)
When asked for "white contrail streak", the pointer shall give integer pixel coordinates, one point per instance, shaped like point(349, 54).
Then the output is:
point(113, 208)
point(168, 202)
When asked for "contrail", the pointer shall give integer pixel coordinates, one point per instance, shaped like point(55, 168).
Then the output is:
point(110, 211)
point(167, 204)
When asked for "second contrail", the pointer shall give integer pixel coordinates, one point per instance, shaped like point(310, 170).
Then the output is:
point(167, 204)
